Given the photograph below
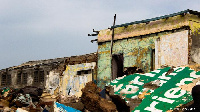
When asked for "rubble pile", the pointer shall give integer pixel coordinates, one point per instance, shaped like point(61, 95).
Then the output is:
point(33, 99)
point(166, 89)
point(72, 101)
point(93, 102)
point(26, 99)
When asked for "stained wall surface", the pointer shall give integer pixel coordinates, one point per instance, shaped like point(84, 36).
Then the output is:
point(195, 40)
point(21, 77)
point(146, 28)
point(172, 49)
point(75, 78)
point(52, 82)
point(31, 73)
point(174, 39)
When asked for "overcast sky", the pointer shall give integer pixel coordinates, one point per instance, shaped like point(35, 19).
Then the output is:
point(46, 29)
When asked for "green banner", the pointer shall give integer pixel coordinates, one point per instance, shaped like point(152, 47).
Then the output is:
point(167, 96)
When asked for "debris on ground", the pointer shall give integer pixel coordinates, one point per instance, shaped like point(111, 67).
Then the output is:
point(47, 97)
point(58, 107)
point(167, 87)
point(22, 100)
point(26, 99)
point(34, 92)
point(73, 101)
point(93, 101)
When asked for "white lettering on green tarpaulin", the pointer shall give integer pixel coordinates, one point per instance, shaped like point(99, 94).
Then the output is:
point(169, 95)
point(130, 86)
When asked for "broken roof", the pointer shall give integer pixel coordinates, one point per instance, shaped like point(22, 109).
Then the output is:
point(78, 59)
point(149, 26)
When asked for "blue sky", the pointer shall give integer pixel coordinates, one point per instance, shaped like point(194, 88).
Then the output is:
point(45, 29)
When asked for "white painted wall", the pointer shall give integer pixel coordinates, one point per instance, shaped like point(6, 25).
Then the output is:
point(172, 49)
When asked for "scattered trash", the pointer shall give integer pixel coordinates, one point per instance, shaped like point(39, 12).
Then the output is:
point(21, 110)
point(34, 92)
point(5, 91)
point(22, 100)
point(63, 108)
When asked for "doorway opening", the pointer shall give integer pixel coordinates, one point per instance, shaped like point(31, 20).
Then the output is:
point(153, 60)
point(117, 66)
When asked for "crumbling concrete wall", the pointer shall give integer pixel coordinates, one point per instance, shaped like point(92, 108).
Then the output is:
point(75, 78)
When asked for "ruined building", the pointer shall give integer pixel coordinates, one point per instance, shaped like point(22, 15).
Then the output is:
point(171, 40)
point(32, 73)
point(67, 75)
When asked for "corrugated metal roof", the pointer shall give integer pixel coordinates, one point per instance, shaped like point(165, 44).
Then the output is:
point(157, 18)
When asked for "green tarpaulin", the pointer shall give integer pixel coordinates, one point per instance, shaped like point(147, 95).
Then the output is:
point(168, 93)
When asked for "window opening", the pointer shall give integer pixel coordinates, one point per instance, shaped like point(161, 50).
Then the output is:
point(24, 77)
point(82, 72)
point(19, 78)
point(36, 78)
point(41, 76)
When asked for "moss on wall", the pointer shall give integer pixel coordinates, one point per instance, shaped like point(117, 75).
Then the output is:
point(136, 51)
point(195, 46)
point(144, 29)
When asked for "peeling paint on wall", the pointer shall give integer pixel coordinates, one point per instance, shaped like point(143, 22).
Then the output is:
point(52, 82)
point(143, 28)
point(195, 46)
point(138, 52)
point(172, 49)
point(75, 78)
point(173, 41)
point(29, 80)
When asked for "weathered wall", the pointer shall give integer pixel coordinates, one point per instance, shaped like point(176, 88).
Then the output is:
point(52, 82)
point(71, 82)
point(53, 75)
point(145, 28)
point(195, 46)
point(32, 73)
point(183, 47)
point(137, 52)
point(172, 49)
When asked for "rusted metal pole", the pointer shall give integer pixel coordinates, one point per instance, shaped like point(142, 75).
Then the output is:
point(111, 47)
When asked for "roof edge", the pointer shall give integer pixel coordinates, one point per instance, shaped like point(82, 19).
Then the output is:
point(158, 18)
